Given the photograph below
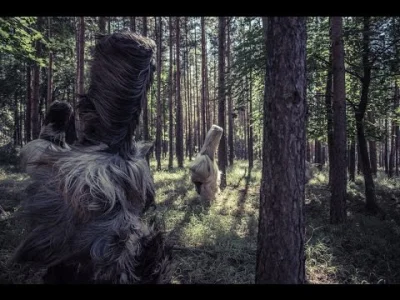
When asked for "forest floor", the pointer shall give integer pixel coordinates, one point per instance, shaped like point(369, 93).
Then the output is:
point(217, 243)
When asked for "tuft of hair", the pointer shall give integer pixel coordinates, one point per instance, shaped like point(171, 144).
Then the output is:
point(121, 73)
point(52, 135)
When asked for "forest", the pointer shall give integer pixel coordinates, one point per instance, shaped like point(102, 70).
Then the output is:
point(293, 95)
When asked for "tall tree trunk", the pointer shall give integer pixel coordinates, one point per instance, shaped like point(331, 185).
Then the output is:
point(159, 70)
point(102, 25)
point(50, 71)
point(308, 153)
point(36, 88)
point(28, 111)
point(281, 230)
point(179, 112)
point(386, 151)
point(204, 80)
point(133, 24)
point(80, 66)
point(188, 93)
point(370, 197)
point(328, 107)
point(230, 100)
point(352, 160)
point(171, 120)
point(392, 157)
point(372, 148)
point(339, 163)
point(16, 120)
point(222, 157)
point(250, 118)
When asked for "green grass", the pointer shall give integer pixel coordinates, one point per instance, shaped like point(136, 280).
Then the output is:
point(216, 243)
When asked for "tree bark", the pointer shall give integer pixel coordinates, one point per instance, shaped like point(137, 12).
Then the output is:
point(179, 112)
point(28, 113)
point(133, 24)
point(50, 71)
point(36, 88)
point(370, 196)
point(372, 148)
point(230, 100)
point(204, 81)
point(280, 247)
point(328, 107)
point(171, 121)
point(222, 157)
point(339, 163)
point(102, 25)
point(352, 160)
point(159, 108)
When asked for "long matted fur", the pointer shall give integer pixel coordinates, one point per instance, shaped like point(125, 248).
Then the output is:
point(52, 135)
point(204, 169)
point(86, 216)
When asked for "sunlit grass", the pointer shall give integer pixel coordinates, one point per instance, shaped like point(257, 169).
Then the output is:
point(216, 243)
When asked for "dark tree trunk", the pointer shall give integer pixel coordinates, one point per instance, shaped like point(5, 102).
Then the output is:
point(159, 70)
point(36, 89)
point(204, 81)
point(386, 150)
point(250, 126)
point(280, 248)
point(179, 112)
point(328, 107)
point(372, 149)
point(222, 157)
point(339, 163)
point(370, 197)
point(133, 24)
point(102, 25)
point(392, 157)
point(171, 120)
point(16, 120)
point(50, 71)
point(308, 154)
point(28, 128)
point(352, 160)
point(230, 100)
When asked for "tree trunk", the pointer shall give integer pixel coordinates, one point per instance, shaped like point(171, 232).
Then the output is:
point(339, 163)
point(171, 121)
point(352, 160)
point(50, 71)
point(230, 100)
point(102, 25)
point(328, 107)
point(222, 157)
point(159, 108)
point(372, 148)
point(386, 150)
point(133, 24)
point(16, 120)
point(28, 111)
point(280, 247)
point(392, 157)
point(204, 80)
point(250, 126)
point(36, 89)
point(370, 197)
point(179, 112)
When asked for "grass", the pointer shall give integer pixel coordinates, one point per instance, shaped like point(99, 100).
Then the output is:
point(216, 243)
